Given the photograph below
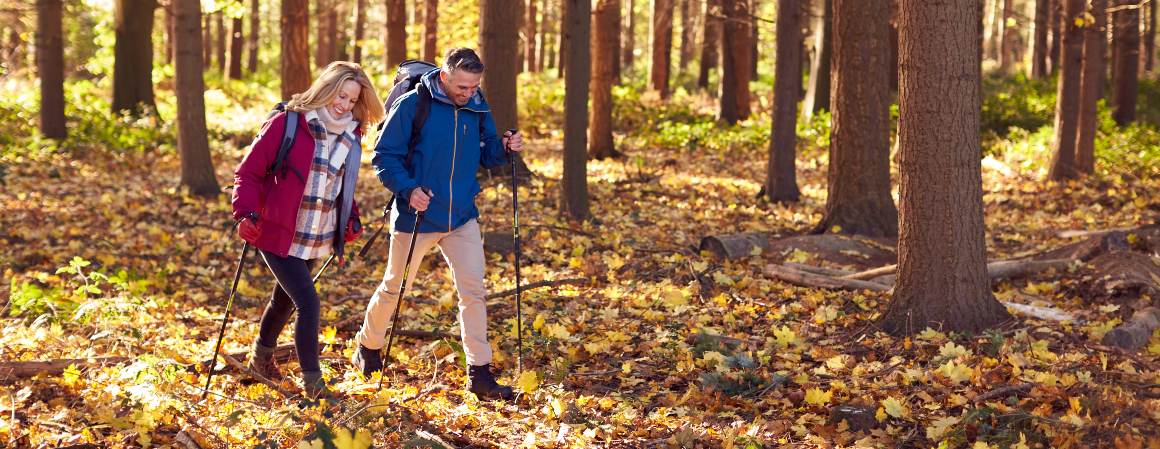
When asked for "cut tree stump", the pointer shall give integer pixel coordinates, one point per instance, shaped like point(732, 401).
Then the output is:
point(55, 367)
point(1135, 333)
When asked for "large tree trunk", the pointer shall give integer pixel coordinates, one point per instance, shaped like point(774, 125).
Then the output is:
point(781, 177)
point(196, 164)
point(360, 30)
point(626, 51)
point(661, 34)
point(710, 42)
point(499, 48)
point(50, 67)
point(235, 66)
point(1091, 87)
point(574, 183)
point(252, 43)
point(1055, 16)
point(685, 52)
point(1067, 103)
point(735, 61)
point(1039, 50)
point(818, 94)
point(219, 44)
point(295, 47)
point(397, 34)
point(942, 273)
point(894, 22)
point(1126, 78)
point(858, 199)
point(605, 18)
point(133, 55)
point(531, 24)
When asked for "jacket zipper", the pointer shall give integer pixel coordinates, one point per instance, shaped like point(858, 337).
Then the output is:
point(451, 180)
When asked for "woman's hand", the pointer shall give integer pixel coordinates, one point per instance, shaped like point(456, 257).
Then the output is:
point(249, 229)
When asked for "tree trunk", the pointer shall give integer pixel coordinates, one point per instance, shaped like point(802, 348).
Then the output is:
point(894, 22)
point(662, 45)
point(780, 178)
point(992, 33)
point(547, 37)
point(942, 274)
point(360, 31)
point(1039, 50)
point(219, 44)
point(1067, 103)
point(252, 42)
point(750, 10)
point(295, 47)
point(341, 37)
point(858, 197)
point(1053, 50)
point(1007, 39)
point(1091, 87)
point(207, 41)
point(735, 62)
point(818, 94)
point(169, 24)
point(605, 20)
point(530, 58)
point(50, 67)
point(685, 52)
point(1150, 38)
point(626, 52)
point(397, 34)
point(574, 183)
point(321, 13)
point(236, 41)
point(498, 44)
point(1126, 79)
point(710, 42)
point(196, 164)
point(133, 55)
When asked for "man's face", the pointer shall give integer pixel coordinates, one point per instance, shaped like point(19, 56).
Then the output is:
point(460, 85)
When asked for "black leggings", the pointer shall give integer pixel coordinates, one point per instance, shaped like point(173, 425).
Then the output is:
point(294, 290)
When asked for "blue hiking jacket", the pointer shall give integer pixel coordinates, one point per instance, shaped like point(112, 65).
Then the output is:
point(454, 142)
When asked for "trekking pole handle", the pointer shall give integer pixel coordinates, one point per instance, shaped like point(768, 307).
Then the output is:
point(511, 132)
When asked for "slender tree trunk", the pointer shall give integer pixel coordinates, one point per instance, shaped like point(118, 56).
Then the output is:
point(133, 55)
point(1091, 87)
point(196, 163)
point(236, 41)
point(547, 37)
point(170, 23)
point(295, 27)
point(397, 33)
point(662, 44)
point(498, 44)
point(1053, 50)
point(1127, 55)
point(1007, 39)
point(1150, 38)
point(207, 41)
point(321, 42)
point(574, 185)
point(735, 61)
point(685, 51)
point(219, 44)
point(1039, 50)
point(858, 198)
point(942, 278)
point(340, 51)
point(1067, 105)
point(255, 31)
point(605, 32)
point(818, 94)
point(751, 7)
point(50, 67)
point(531, 22)
point(781, 177)
point(994, 29)
point(710, 42)
point(894, 22)
point(627, 57)
point(360, 31)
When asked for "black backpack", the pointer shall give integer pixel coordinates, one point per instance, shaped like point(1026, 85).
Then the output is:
point(279, 166)
point(407, 79)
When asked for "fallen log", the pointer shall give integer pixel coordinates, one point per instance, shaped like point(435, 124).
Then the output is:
point(802, 278)
point(1038, 312)
point(55, 367)
point(735, 246)
point(999, 269)
point(819, 270)
point(1135, 333)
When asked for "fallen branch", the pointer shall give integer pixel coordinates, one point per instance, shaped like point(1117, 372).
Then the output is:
point(999, 269)
point(1037, 312)
point(798, 277)
point(524, 288)
point(819, 270)
point(233, 362)
point(1136, 332)
point(29, 368)
point(1071, 233)
point(1003, 391)
point(872, 273)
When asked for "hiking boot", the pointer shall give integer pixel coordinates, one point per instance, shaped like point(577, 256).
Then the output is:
point(481, 382)
point(314, 387)
point(262, 363)
point(368, 361)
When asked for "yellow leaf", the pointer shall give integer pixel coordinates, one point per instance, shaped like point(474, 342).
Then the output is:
point(895, 408)
point(880, 415)
point(700, 266)
point(539, 322)
point(722, 278)
point(328, 335)
point(557, 331)
point(785, 336)
point(951, 350)
point(713, 359)
point(529, 381)
point(557, 407)
point(815, 396)
point(316, 444)
point(71, 375)
point(940, 427)
point(674, 297)
point(955, 372)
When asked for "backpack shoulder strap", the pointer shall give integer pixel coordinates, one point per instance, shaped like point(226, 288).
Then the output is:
point(288, 133)
point(422, 110)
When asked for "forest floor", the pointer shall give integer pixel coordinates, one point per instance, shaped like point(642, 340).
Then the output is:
point(652, 343)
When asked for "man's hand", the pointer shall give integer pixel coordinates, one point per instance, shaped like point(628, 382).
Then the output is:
point(513, 141)
point(420, 199)
point(249, 230)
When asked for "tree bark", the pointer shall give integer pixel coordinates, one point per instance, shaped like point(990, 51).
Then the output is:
point(818, 93)
point(295, 47)
point(133, 55)
point(662, 45)
point(750, 9)
point(1091, 87)
point(858, 199)
point(710, 42)
point(530, 57)
point(219, 44)
point(207, 41)
point(574, 183)
point(991, 35)
point(1126, 79)
point(50, 67)
point(627, 57)
point(1007, 40)
point(1039, 50)
point(547, 37)
point(781, 177)
point(894, 21)
point(397, 34)
point(735, 61)
point(1053, 50)
point(235, 66)
point(252, 43)
point(942, 277)
point(169, 24)
point(360, 31)
point(1150, 38)
point(605, 20)
point(498, 43)
point(341, 34)
point(192, 143)
point(322, 10)
point(1067, 103)
point(685, 52)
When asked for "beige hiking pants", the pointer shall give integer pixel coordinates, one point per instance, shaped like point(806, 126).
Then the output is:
point(462, 248)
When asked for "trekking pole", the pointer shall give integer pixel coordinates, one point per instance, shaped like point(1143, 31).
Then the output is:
point(226, 318)
point(320, 270)
point(402, 289)
point(386, 211)
point(516, 238)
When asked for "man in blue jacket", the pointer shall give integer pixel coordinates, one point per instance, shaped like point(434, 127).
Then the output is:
point(458, 137)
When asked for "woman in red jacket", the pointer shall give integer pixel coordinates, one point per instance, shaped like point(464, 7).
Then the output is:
point(304, 211)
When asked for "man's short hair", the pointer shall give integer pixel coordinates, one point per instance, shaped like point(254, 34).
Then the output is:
point(462, 58)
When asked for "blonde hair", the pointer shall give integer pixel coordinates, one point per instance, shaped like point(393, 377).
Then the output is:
point(368, 110)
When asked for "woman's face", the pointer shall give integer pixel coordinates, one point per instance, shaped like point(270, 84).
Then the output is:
point(346, 98)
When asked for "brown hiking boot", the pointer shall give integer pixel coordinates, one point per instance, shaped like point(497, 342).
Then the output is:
point(262, 363)
point(481, 382)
